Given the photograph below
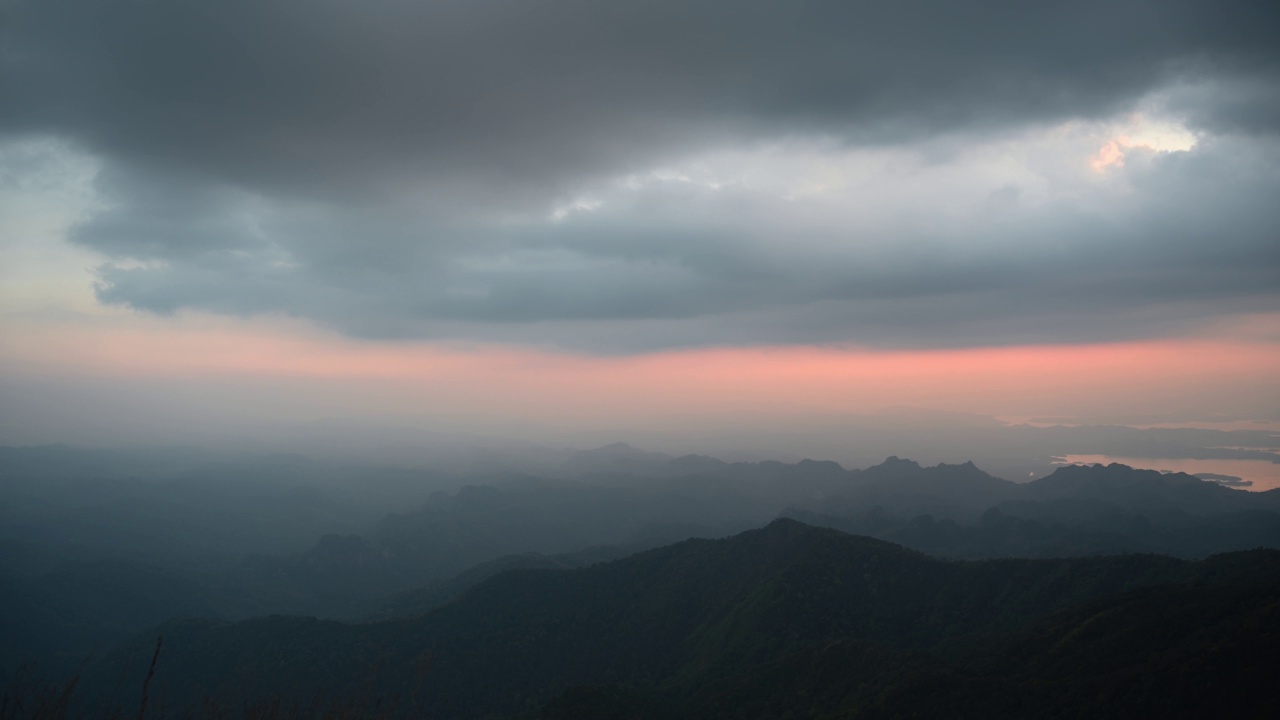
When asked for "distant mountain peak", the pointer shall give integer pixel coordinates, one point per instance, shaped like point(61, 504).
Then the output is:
point(787, 532)
point(786, 524)
point(1132, 487)
point(818, 463)
point(895, 461)
point(1117, 472)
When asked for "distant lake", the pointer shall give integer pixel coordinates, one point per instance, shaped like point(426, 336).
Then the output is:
point(1264, 474)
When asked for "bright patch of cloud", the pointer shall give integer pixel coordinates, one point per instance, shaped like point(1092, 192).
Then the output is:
point(1142, 132)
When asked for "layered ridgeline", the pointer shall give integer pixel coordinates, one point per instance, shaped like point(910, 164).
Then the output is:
point(786, 621)
point(90, 559)
point(960, 511)
point(955, 511)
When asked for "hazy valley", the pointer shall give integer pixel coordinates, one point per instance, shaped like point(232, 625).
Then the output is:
point(531, 595)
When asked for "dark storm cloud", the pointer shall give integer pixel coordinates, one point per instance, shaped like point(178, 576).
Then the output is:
point(300, 92)
point(1200, 244)
point(374, 166)
point(1246, 104)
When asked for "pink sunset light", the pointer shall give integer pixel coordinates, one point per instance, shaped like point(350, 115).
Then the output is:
point(477, 379)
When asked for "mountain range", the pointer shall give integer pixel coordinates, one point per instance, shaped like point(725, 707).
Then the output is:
point(268, 563)
point(785, 619)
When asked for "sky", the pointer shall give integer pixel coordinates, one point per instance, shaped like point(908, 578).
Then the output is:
point(573, 222)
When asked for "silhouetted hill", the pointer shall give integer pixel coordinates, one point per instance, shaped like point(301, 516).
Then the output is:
point(436, 594)
point(279, 534)
point(947, 510)
point(959, 511)
point(701, 614)
point(1148, 491)
point(1188, 650)
point(341, 576)
point(960, 492)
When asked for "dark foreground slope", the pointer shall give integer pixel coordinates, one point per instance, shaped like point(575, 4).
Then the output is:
point(1204, 648)
point(787, 619)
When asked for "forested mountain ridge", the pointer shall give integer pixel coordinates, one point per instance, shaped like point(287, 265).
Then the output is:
point(674, 623)
point(1076, 511)
point(447, 534)
point(949, 510)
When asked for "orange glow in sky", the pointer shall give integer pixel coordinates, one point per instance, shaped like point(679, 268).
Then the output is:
point(1148, 377)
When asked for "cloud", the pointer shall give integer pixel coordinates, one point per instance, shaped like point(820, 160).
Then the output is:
point(626, 177)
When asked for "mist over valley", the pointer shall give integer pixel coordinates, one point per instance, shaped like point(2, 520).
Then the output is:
point(564, 360)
